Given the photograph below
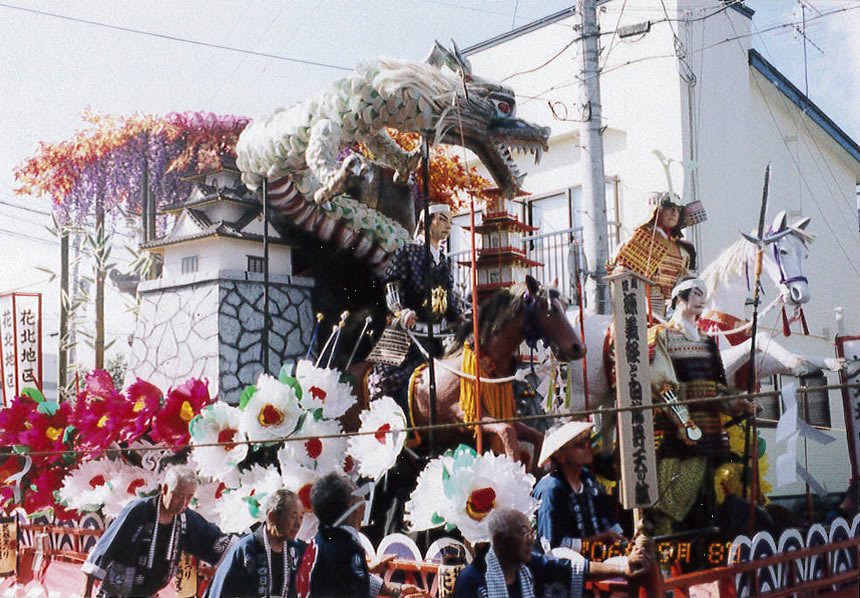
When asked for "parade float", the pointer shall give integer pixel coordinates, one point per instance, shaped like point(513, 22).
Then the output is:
point(237, 395)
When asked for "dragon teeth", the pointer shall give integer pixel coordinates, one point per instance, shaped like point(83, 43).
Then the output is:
point(538, 154)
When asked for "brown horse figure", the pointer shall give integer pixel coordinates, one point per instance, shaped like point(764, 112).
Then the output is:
point(523, 312)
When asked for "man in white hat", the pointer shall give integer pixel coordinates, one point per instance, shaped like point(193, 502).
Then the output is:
point(573, 509)
point(406, 279)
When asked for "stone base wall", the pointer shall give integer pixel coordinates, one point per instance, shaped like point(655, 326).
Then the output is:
point(240, 326)
point(211, 327)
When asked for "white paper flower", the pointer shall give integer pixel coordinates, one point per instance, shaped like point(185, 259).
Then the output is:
point(128, 483)
point(300, 480)
point(87, 487)
point(322, 389)
point(422, 508)
point(318, 454)
point(218, 423)
point(272, 412)
point(238, 509)
point(489, 482)
point(463, 488)
point(376, 453)
point(208, 497)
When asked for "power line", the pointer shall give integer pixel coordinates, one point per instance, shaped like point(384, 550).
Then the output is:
point(21, 219)
point(25, 208)
point(28, 237)
point(176, 38)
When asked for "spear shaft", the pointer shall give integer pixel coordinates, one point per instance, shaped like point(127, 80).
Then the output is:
point(751, 424)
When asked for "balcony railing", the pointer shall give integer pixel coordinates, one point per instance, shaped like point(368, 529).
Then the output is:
point(558, 251)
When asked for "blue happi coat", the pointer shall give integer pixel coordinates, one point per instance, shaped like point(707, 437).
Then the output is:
point(335, 566)
point(121, 557)
point(244, 571)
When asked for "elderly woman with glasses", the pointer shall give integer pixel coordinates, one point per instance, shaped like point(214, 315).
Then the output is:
point(510, 569)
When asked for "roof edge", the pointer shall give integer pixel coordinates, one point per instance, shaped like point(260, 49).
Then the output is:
point(807, 106)
point(740, 7)
point(514, 33)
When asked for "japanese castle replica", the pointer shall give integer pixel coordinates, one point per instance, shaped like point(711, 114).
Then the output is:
point(203, 317)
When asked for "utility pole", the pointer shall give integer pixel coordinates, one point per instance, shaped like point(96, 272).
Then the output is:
point(595, 240)
point(65, 302)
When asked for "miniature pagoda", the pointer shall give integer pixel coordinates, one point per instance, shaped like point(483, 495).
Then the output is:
point(502, 260)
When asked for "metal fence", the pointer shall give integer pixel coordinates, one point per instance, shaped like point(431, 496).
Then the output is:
point(559, 252)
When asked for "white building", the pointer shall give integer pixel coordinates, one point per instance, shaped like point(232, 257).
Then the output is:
point(694, 89)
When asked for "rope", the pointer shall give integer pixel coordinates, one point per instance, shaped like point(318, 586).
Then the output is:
point(455, 425)
point(543, 368)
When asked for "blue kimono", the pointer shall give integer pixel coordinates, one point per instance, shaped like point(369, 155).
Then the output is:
point(244, 571)
point(335, 566)
point(565, 517)
point(128, 565)
point(547, 575)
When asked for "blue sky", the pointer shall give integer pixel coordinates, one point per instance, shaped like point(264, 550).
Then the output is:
point(53, 68)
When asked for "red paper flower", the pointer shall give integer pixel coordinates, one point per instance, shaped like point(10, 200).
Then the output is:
point(99, 384)
point(13, 420)
point(40, 493)
point(170, 424)
point(45, 432)
point(97, 414)
point(144, 401)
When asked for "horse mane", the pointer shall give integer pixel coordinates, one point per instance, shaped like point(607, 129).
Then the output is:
point(493, 313)
point(736, 258)
point(732, 261)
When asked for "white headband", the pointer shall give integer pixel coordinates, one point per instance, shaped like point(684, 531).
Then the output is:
point(435, 208)
point(688, 284)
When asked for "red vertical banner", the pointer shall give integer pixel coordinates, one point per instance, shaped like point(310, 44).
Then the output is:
point(20, 343)
point(848, 347)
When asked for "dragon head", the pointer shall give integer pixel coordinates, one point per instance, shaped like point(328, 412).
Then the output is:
point(486, 112)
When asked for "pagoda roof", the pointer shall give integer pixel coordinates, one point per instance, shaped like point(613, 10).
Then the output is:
point(203, 195)
point(195, 224)
point(497, 221)
point(503, 258)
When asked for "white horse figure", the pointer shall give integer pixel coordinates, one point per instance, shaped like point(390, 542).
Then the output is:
point(726, 280)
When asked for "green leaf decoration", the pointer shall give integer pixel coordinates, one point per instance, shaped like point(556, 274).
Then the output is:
point(246, 396)
point(33, 393)
point(21, 449)
point(68, 433)
point(48, 407)
point(762, 447)
point(294, 384)
point(449, 527)
point(436, 519)
point(194, 422)
point(318, 414)
point(287, 371)
point(253, 505)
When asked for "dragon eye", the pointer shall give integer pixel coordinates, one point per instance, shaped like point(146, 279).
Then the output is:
point(503, 107)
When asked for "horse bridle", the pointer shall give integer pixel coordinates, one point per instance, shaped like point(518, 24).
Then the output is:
point(533, 330)
point(782, 278)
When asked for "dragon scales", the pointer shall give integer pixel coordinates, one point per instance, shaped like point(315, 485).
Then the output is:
point(297, 148)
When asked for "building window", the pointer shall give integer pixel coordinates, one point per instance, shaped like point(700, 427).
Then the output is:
point(256, 264)
point(189, 264)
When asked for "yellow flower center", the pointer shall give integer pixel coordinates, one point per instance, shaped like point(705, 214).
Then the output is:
point(102, 421)
point(53, 433)
point(186, 412)
point(138, 406)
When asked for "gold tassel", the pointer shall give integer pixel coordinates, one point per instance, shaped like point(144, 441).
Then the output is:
point(497, 399)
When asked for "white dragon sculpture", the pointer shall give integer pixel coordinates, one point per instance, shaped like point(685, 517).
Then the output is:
point(297, 148)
